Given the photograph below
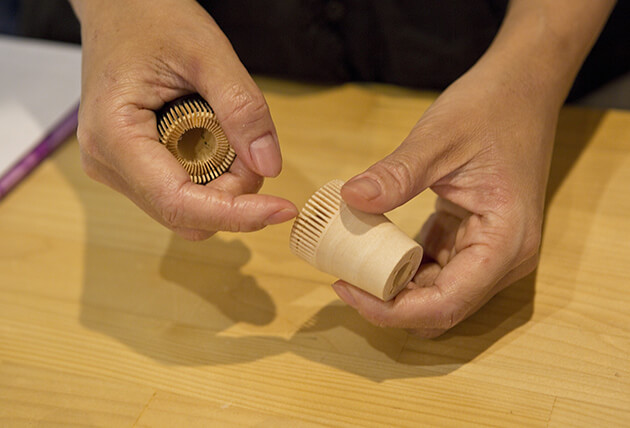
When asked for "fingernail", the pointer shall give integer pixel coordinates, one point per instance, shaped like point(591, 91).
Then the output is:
point(281, 216)
point(365, 187)
point(266, 156)
point(345, 294)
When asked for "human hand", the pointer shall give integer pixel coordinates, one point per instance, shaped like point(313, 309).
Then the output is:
point(484, 148)
point(137, 57)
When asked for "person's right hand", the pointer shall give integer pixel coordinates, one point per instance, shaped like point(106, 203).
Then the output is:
point(136, 57)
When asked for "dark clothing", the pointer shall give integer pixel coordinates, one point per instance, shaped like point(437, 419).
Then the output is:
point(418, 43)
point(411, 42)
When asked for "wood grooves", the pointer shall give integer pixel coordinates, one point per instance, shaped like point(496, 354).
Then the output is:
point(312, 222)
point(190, 113)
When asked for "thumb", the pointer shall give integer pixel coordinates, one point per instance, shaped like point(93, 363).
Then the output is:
point(392, 181)
point(238, 103)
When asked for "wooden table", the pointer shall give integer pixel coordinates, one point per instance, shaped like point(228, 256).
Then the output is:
point(106, 318)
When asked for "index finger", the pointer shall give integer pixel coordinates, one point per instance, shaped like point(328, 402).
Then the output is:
point(162, 187)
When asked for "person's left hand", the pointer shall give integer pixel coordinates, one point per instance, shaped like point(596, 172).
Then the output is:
point(484, 147)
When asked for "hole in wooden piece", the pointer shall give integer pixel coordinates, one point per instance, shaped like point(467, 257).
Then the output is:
point(402, 277)
point(197, 143)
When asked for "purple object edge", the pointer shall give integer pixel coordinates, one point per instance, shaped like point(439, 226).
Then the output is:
point(41, 151)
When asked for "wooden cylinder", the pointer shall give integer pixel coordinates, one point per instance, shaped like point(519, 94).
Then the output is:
point(365, 250)
point(190, 130)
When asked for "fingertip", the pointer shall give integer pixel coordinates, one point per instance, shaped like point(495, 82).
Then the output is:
point(362, 188)
point(285, 214)
point(266, 156)
point(364, 193)
point(344, 293)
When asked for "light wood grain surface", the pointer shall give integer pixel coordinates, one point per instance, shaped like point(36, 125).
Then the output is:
point(108, 319)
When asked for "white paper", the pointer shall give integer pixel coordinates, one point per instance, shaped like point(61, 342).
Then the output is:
point(39, 83)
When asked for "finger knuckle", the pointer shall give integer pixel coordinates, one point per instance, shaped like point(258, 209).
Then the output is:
point(240, 226)
point(171, 213)
point(238, 222)
point(229, 215)
point(89, 166)
point(88, 142)
point(450, 317)
point(400, 173)
point(241, 219)
point(234, 224)
point(245, 106)
point(531, 243)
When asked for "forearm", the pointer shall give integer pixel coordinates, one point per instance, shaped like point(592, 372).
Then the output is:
point(97, 10)
point(84, 7)
point(544, 42)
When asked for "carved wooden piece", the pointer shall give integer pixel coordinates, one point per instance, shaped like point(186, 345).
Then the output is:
point(366, 250)
point(190, 130)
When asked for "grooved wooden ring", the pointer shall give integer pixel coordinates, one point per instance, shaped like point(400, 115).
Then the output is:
point(310, 225)
point(190, 130)
point(366, 250)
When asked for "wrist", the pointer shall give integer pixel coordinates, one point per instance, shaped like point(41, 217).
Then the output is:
point(541, 45)
point(85, 9)
point(91, 12)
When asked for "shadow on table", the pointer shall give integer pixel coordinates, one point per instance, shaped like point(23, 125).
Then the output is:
point(177, 311)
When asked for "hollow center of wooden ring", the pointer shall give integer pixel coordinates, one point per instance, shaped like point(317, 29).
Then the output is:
point(197, 144)
point(402, 276)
